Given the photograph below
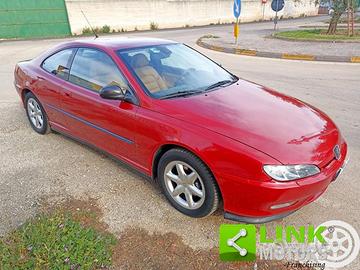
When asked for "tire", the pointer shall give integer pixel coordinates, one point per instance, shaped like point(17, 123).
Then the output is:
point(36, 114)
point(193, 191)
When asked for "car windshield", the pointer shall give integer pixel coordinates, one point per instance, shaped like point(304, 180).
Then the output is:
point(173, 70)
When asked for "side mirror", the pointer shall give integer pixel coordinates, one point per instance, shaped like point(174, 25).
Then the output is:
point(113, 92)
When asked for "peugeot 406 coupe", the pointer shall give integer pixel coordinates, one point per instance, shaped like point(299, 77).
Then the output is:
point(205, 136)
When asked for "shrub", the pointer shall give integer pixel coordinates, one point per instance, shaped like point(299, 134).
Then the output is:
point(154, 26)
point(86, 30)
point(105, 29)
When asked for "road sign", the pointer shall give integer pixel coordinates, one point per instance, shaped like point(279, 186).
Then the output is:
point(237, 8)
point(277, 5)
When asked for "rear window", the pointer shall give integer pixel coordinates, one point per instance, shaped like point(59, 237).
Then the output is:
point(59, 63)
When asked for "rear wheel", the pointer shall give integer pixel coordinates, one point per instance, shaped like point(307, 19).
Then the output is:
point(36, 114)
point(187, 183)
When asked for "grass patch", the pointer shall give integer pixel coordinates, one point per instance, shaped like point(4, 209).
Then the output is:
point(317, 35)
point(61, 240)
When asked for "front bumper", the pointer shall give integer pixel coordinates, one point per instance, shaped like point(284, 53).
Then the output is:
point(258, 202)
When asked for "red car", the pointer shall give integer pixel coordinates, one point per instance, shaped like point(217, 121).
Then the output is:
point(204, 135)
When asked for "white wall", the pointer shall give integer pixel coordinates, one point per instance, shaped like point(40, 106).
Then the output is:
point(129, 14)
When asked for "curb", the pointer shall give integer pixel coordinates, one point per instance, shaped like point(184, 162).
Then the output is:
point(287, 56)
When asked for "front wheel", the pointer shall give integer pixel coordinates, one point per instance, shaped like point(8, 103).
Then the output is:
point(187, 183)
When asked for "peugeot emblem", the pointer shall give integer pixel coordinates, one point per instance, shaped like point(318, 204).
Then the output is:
point(337, 152)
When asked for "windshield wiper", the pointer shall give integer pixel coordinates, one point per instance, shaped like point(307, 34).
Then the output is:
point(181, 94)
point(184, 93)
point(220, 83)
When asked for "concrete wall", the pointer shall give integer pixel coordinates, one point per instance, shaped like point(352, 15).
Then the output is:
point(128, 14)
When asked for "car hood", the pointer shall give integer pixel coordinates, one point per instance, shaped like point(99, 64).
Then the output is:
point(281, 126)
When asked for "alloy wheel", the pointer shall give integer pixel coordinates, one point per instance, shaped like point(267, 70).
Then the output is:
point(184, 185)
point(35, 113)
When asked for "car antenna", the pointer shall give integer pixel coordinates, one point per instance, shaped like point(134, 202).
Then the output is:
point(92, 29)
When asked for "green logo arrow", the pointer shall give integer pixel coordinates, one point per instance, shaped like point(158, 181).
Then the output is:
point(237, 242)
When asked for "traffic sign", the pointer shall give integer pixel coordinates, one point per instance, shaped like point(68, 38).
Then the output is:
point(277, 5)
point(237, 8)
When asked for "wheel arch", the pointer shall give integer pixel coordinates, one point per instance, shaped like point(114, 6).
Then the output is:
point(25, 91)
point(23, 94)
point(169, 146)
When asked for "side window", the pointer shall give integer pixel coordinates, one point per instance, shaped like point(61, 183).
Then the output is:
point(59, 63)
point(94, 69)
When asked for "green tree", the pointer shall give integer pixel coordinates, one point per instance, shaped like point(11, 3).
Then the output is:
point(339, 6)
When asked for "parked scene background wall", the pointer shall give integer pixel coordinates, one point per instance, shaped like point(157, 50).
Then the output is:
point(128, 14)
point(50, 18)
point(33, 18)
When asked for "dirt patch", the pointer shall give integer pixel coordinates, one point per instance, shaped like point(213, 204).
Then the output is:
point(137, 249)
point(88, 213)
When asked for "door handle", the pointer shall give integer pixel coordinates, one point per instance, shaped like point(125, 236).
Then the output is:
point(67, 94)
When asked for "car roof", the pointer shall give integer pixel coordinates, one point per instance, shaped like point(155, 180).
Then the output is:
point(120, 43)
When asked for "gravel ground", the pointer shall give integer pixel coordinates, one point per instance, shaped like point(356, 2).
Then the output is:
point(53, 168)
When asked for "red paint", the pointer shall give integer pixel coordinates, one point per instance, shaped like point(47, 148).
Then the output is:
point(234, 130)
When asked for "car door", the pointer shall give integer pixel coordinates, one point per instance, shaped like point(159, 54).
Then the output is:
point(107, 124)
point(54, 71)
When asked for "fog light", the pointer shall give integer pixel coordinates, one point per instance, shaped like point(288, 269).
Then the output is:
point(278, 206)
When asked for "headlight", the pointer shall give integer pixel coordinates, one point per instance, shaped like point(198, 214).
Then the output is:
point(290, 172)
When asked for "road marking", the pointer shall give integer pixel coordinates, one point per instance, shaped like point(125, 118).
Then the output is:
point(355, 59)
point(306, 57)
point(245, 52)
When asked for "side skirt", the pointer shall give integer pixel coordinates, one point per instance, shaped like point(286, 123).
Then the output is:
point(255, 220)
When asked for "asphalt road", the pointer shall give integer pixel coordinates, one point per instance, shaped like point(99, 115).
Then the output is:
point(258, 37)
point(52, 168)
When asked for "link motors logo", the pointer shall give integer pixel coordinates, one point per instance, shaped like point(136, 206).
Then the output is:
point(342, 243)
point(332, 244)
